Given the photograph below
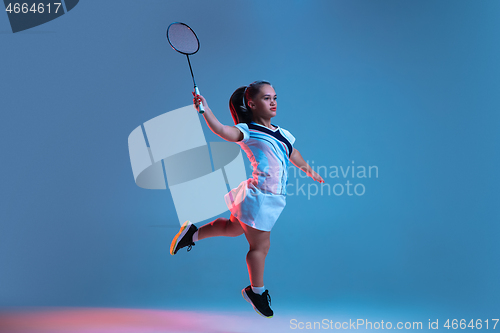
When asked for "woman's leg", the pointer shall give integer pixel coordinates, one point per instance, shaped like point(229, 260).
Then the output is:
point(221, 227)
point(259, 242)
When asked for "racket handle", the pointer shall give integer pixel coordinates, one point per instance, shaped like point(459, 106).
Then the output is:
point(200, 107)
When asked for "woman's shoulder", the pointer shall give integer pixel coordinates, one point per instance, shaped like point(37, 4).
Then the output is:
point(243, 127)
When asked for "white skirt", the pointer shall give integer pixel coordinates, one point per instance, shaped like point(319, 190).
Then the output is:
point(259, 210)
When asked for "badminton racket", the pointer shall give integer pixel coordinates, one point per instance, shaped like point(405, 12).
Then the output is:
point(183, 39)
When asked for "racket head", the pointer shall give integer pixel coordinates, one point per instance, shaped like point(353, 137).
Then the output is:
point(182, 38)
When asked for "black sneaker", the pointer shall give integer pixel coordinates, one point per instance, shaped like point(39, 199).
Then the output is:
point(183, 238)
point(259, 302)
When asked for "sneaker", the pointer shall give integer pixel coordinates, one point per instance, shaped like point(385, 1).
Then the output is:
point(260, 303)
point(183, 238)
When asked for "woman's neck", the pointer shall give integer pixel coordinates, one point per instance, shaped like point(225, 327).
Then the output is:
point(264, 122)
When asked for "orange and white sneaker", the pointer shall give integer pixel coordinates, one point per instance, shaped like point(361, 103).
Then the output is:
point(183, 238)
point(260, 303)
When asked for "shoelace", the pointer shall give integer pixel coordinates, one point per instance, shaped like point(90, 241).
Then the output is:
point(190, 246)
point(268, 297)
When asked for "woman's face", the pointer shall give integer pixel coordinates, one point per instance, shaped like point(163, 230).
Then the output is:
point(264, 104)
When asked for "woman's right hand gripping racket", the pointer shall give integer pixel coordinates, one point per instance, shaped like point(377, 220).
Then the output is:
point(199, 101)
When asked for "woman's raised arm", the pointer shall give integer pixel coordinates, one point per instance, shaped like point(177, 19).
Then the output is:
point(228, 133)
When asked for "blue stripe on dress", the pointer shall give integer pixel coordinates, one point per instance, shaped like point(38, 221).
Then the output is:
point(263, 137)
point(277, 135)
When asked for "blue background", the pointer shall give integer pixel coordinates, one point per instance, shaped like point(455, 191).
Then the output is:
point(410, 87)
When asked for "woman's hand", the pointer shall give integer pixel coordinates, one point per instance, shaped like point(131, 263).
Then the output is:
point(314, 175)
point(197, 99)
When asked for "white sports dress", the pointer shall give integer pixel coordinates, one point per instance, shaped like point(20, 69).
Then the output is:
point(258, 201)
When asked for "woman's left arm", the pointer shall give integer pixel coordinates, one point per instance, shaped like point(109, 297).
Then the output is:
point(299, 162)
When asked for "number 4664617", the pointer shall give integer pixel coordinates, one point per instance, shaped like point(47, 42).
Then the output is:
point(35, 8)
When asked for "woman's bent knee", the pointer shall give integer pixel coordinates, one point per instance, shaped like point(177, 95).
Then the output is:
point(262, 247)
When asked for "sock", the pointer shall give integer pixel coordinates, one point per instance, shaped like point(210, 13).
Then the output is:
point(195, 236)
point(258, 290)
